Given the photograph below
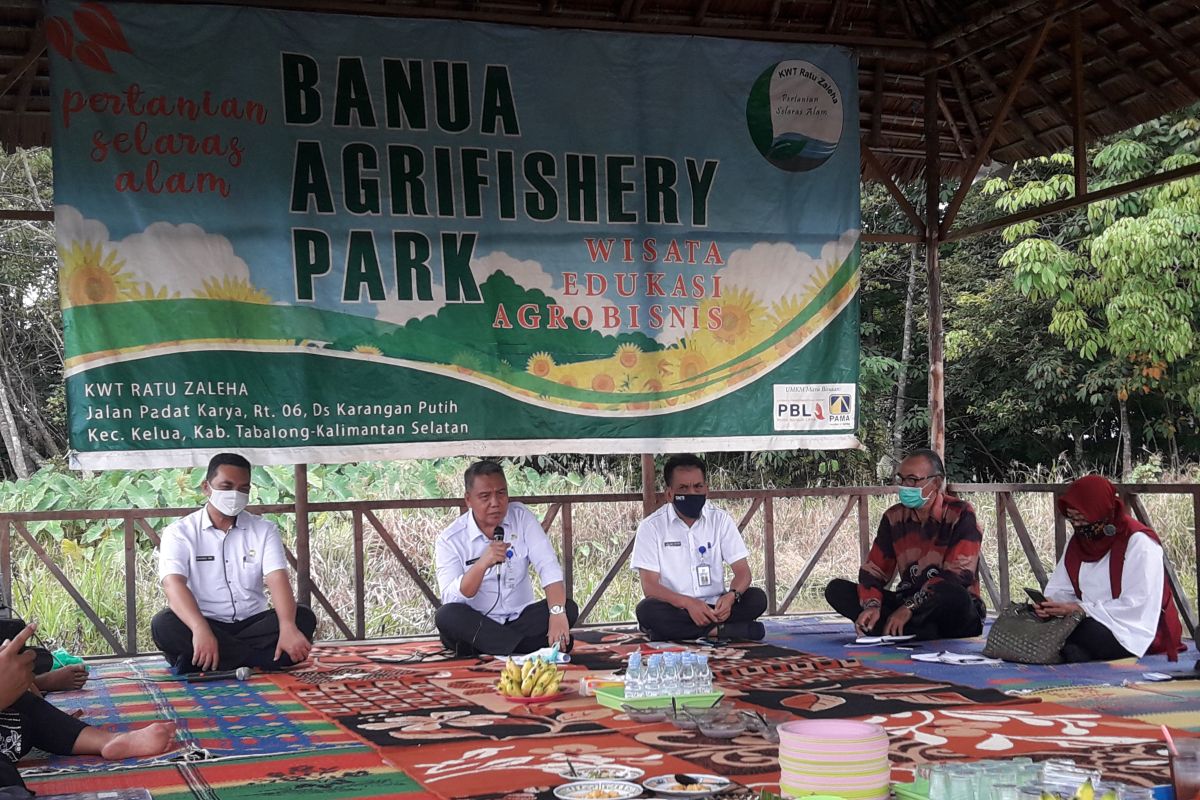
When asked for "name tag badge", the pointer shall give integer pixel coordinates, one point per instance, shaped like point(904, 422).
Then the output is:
point(472, 561)
point(206, 558)
point(672, 544)
point(703, 575)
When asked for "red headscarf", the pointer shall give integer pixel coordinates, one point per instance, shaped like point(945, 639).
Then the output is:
point(1097, 500)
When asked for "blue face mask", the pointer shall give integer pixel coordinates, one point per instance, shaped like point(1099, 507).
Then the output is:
point(911, 497)
point(689, 505)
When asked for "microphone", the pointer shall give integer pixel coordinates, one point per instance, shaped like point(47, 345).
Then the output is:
point(241, 674)
point(498, 534)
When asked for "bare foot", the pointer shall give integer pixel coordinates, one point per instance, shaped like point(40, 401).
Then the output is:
point(63, 679)
point(155, 738)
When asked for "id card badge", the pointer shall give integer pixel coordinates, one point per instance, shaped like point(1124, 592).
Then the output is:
point(703, 575)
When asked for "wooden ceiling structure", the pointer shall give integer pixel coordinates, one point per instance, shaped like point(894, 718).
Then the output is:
point(945, 86)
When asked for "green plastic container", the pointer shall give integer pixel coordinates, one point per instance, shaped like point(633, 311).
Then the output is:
point(614, 696)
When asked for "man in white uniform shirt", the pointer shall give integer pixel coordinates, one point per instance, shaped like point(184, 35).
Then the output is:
point(212, 564)
point(483, 562)
point(681, 551)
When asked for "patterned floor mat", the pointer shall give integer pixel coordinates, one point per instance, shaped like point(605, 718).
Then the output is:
point(225, 719)
point(1175, 704)
point(347, 772)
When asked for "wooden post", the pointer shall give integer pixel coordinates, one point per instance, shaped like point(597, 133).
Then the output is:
point(933, 270)
point(303, 552)
point(6, 592)
point(769, 546)
point(1002, 547)
point(360, 581)
point(130, 586)
point(1078, 112)
point(649, 501)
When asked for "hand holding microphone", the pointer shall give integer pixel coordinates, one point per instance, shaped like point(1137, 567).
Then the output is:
point(497, 552)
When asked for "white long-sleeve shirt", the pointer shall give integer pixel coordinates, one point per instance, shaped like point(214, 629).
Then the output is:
point(506, 588)
point(1132, 617)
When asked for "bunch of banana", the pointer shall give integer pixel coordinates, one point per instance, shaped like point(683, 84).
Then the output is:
point(534, 678)
point(1085, 792)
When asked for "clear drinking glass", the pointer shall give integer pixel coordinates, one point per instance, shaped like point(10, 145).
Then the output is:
point(1004, 791)
point(939, 782)
point(1185, 769)
point(961, 784)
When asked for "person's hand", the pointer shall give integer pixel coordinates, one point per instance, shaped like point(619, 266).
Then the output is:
point(700, 612)
point(896, 622)
point(724, 606)
point(866, 620)
point(16, 668)
point(559, 631)
point(205, 653)
point(292, 642)
point(1053, 608)
point(496, 553)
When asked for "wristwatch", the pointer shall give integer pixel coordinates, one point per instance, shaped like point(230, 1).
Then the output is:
point(737, 596)
point(557, 610)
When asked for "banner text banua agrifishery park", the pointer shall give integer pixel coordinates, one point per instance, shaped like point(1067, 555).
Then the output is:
point(330, 238)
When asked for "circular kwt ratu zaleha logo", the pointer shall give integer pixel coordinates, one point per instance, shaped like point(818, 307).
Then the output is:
point(794, 114)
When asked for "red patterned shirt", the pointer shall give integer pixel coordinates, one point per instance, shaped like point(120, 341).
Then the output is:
point(945, 547)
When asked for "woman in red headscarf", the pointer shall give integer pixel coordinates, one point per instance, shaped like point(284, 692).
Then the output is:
point(1113, 572)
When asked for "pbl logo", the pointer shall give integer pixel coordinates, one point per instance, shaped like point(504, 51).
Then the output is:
point(812, 411)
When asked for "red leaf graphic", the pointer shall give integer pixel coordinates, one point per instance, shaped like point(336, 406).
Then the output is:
point(97, 23)
point(92, 55)
point(60, 36)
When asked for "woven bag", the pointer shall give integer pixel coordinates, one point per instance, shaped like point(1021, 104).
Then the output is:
point(1021, 636)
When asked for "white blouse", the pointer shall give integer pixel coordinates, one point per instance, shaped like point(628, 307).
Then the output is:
point(1132, 617)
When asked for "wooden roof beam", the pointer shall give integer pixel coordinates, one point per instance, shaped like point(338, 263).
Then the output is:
point(37, 44)
point(956, 81)
point(1068, 203)
point(1014, 38)
point(1143, 17)
point(965, 30)
point(1124, 67)
point(1157, 50)
point(905, 205)
point(701, 12)
point(997, 122)
point(772, 14)
point(836, 15)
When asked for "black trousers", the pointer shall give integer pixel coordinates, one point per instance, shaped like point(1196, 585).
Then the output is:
point(248, 642)
point(955, 613)
point(667, 622)
point(32, 722)
point(1093, 641)
point(469, 632)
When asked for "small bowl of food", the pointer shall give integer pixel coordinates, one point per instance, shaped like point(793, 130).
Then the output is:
point(723, 727)
point(681, 719)
point(609, 772)
point(762, 726)
point(695, 785)
point(598, 790)
point(644, 714)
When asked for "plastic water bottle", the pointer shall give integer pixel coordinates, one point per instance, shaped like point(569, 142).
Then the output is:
point(670, 680)
point(703, 675)
point(634, 676)
point(652, 682)
point(687, 674)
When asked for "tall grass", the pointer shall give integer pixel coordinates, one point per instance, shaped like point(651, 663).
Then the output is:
point(394, 606)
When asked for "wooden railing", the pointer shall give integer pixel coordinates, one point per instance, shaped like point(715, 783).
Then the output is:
point(366, 523)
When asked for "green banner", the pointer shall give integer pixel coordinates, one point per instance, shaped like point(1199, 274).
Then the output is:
point(333, 238)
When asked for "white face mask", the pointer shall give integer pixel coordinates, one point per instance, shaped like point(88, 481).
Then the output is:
point(230, 502)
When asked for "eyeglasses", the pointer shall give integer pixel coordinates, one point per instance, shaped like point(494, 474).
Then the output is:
point(913, 480)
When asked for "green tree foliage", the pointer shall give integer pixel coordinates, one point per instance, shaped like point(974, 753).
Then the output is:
point(32, 408)
point(1123, 276)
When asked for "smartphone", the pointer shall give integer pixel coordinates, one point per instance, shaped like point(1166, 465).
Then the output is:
point(1035, 595)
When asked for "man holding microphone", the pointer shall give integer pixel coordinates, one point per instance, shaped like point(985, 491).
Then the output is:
point(483, 561)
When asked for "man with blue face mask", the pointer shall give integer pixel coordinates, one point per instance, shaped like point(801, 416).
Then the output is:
point(930, 541)
point(681, 551)
point(213, 564)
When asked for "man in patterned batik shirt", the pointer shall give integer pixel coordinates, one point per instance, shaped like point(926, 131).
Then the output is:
point(930, 541)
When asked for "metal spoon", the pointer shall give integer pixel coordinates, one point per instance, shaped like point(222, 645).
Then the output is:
point(571, 766)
